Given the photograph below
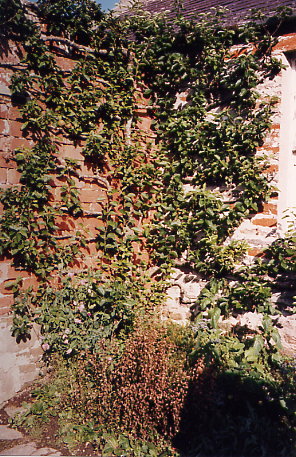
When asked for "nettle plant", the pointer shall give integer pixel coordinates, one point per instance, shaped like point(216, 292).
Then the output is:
point(176, 194)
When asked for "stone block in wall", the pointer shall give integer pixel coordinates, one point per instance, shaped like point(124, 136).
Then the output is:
point(190, 285)
point(19, 362)
point(173, 308)
point(173, 296)
point(286, 326)
point(178, 315)
point(257, 236)
point(181, 295)
point(287, 331)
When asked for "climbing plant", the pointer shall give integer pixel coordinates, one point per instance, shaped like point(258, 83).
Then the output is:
point(173, 196)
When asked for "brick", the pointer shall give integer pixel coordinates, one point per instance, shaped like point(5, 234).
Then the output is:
point(4, 311)
point(6, 160)
point(93, 186)
point(9, 144)
point(265, 222)
point(91, 226)
point(57, 182)
point(30, 281)
point(87, 168)
point(269, 208)
point(143, 256)
point(90, 196)
point(21, 143)
point(91, 248)
point(271, 169)
point(275, 127)
point(7, 111)
point(4, 144)
point(70, 151)
point(4, 187)
point(97, 207)
point(77, 264)
point(65, 223)
point(77, 183)
point(273, 149)
point(15, 272)
point(64, 63)
point(62, 140)
point(55, 194)
point(3, 287)
point(5, 127)
point(86, 207)
point(12, 275)
point(4, 266)
point(15, 128)
point(15, 53)
point(4, 110)
point(65, 240)
point(286, 43)
point(4, 85)
point(144, 123)
point(6, 301)
point(3, 175)
point(91, 262)
point(255, 252)
point(13, 176)
point(92, 222)
point(141, 112)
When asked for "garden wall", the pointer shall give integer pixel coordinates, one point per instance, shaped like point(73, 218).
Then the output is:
point(19, 361)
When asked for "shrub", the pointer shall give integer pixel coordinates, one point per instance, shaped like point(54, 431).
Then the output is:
point(140, 389)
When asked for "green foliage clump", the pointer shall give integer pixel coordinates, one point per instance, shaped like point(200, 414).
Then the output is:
point(70, 19)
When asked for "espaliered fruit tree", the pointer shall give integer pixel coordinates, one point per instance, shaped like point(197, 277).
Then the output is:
point(123, 379)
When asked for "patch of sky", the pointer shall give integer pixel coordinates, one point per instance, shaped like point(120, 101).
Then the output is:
point(106, 5)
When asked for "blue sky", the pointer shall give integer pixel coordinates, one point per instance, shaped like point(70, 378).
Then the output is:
point(106, 4)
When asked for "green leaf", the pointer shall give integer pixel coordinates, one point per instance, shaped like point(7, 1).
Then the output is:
point(215, 315)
